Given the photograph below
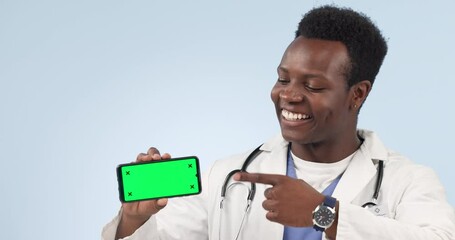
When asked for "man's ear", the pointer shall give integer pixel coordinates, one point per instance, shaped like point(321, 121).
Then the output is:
point(359, 93)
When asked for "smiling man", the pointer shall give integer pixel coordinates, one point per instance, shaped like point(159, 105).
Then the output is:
point(321, 177)
point(316, 107)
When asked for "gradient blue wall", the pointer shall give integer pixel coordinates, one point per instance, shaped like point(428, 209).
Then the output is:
point(86, 85)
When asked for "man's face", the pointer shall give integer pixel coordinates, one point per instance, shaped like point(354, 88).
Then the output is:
point(311, 96)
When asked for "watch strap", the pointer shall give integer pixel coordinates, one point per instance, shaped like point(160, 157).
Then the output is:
point(317, 228)
point(330, 201)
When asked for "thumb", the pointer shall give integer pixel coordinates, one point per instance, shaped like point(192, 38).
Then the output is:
point(161, 203)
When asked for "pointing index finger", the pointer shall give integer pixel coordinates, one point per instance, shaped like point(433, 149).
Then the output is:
point(271, 179)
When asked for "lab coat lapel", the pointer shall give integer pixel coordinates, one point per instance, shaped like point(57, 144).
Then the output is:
point(275, 156)
point(271, 161)
point(358, 174)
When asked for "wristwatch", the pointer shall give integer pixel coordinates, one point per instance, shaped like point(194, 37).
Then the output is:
point(324, 214)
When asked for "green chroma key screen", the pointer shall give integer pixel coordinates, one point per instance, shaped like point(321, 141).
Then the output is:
point(158, 179)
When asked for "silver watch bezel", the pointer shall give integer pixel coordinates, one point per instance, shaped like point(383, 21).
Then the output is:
point(320, 208)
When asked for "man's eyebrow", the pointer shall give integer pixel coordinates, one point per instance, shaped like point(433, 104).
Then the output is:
point(310, 75)
point(282, 69)
point(306, 75)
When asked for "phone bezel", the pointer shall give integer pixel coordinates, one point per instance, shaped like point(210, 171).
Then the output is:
point(120, 178)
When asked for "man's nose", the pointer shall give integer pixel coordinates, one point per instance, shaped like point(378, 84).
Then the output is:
point(291, 95)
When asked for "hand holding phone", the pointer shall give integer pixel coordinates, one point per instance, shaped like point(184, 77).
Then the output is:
point(134, 214)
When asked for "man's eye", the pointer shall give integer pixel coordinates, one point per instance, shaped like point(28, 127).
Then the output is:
point(314, 89)
point(282, 80)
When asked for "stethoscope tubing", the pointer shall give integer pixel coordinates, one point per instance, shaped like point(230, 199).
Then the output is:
point(245, 165)
point(252, 192)
point(377, 188)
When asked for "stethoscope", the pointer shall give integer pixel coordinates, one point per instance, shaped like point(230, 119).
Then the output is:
point(252, 191)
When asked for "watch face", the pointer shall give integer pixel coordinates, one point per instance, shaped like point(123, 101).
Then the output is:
point(324, 216)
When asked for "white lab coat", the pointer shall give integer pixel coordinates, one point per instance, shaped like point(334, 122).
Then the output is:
point(412, 201)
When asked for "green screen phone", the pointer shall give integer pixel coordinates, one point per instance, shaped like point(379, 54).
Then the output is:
point(159, 179)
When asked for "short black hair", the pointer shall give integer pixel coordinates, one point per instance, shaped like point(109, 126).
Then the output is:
point(364, 42)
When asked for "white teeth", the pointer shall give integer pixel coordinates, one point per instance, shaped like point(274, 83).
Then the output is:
point(293, 116)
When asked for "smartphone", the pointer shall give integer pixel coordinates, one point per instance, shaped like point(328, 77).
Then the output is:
point(159, 179)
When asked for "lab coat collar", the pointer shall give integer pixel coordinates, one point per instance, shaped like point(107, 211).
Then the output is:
point(362, 168)
point(372, 145)
point(275, 143)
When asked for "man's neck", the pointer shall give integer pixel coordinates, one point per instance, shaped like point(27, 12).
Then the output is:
point(326, 152)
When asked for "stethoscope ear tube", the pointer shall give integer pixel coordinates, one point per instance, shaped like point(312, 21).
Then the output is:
point(250, 158)
point(252, 192)
point(226, 180)
point(247, 162)
point(377, 188)
point(379, 179)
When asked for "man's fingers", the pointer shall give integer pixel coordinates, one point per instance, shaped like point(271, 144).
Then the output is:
point(161, 203)
point(147, 207)
point(270, 205)
point(143, 157)
point(152, 154)
point(152, 151)
point(271, 179)
point(272, 216)
point(270, 193)
point(166, 156)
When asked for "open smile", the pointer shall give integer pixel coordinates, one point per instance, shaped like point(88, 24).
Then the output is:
point(294, 116)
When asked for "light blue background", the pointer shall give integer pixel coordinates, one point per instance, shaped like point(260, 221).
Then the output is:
point(86, 85)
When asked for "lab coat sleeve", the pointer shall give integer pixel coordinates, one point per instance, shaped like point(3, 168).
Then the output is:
point(182, 218)
point(418, 210)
